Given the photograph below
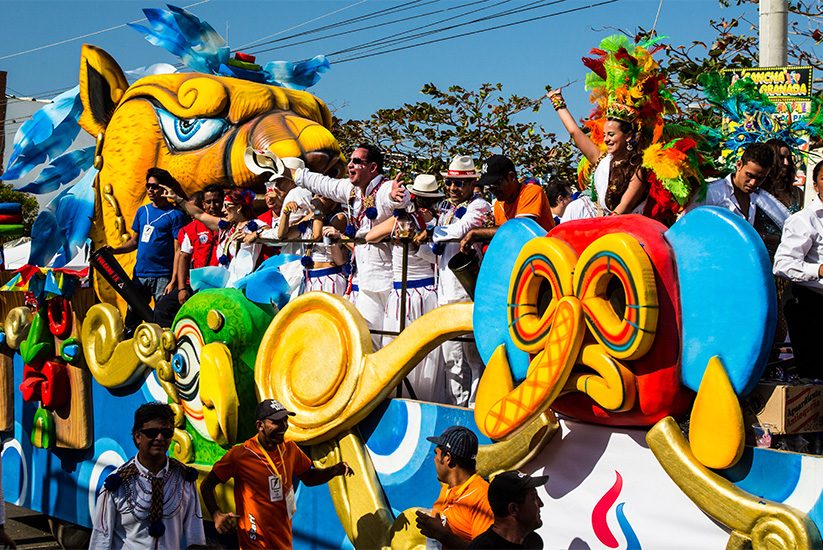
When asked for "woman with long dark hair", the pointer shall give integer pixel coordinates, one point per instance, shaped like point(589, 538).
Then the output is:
point(620, 185)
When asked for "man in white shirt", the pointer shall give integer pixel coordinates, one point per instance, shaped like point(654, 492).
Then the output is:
point(799, 258)
point(463, 211)
point(150, 501)
point(739, 191)
point(371, 199)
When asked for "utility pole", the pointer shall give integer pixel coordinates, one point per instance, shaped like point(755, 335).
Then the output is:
point(774, 33)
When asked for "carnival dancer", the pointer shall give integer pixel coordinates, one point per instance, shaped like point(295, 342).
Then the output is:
point(462, 211)
point(371, 199)
point(150, 501)
point(799, 259)
point(238, 221)
point(633, 163)
point(427, 378)
point(325, 261)
point(264, 469)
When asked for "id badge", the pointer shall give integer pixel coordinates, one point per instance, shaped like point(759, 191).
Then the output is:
point(147, 231)
point(275, 489)
point(291, 505)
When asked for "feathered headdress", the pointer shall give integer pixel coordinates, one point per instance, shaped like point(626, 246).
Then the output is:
point(626, 84)
point(752, 117)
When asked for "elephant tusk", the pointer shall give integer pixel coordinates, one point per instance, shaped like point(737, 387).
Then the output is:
point(758, 522)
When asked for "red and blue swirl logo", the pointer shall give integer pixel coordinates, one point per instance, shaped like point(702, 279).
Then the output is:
point(600, 525)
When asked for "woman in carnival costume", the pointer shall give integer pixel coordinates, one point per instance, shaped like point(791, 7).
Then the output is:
point(634, 162)
point(239, 257)
point(427, 379)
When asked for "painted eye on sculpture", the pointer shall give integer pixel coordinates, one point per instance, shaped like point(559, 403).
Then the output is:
point(186, 365)
point(185, 134)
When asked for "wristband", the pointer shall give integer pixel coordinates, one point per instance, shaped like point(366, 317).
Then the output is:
point(558, 102)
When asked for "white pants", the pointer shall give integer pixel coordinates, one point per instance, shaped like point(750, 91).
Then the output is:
point(426, 379)
point(330, 279)
point(463, 368)
point(372, 306)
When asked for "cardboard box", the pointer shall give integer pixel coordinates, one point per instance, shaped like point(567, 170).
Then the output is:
point(791, 409)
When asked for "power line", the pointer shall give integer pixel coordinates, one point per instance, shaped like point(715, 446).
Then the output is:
point(571, 10)
point(365, 17)
point(252, 44)
point(390, 40)
point(371, 27)
point(89, 34)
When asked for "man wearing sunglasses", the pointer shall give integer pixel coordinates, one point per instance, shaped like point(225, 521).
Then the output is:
point(514, 200)
point(150, 501)
point(155, 226)
point(463, 211)
point(371, 198)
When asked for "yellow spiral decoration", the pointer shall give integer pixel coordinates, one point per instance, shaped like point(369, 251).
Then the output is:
point(17, 326)
point(541, 260)
point(619, 256)
point(111, 361)
point(311, 357)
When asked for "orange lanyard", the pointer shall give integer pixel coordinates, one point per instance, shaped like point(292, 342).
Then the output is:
point(271, 462)
point(458, 492)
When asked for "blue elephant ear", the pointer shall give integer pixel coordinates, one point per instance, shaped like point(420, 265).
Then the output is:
point(727, 296)
point(491, 298)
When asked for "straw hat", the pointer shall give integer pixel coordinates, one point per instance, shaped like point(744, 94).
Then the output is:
point(425, 185)
point(461, 167)
point(262, 162)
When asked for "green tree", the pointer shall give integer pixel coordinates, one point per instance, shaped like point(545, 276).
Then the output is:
point(30, 206)
point(423, 137)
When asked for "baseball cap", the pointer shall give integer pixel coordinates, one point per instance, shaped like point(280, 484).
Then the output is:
point(495, 167)
point(459, 441)
point(271, 408)
point(506, 487)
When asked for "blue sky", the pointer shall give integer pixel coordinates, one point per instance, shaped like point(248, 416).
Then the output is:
point(524, 58)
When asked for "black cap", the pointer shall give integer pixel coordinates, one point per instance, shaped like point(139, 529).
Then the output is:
point(271, 408)
point(494, 168)
point(507, 487)
point(459, 441)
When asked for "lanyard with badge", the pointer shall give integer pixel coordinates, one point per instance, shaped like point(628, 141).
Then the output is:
point(277, 483)
point(148, 229)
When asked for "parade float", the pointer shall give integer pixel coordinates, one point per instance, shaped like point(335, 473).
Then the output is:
point(596, 337)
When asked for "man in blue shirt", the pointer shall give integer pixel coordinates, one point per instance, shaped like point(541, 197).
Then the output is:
point(155, 228)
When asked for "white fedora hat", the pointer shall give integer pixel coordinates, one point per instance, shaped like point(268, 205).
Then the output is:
point(461, 167)
point(425, 185)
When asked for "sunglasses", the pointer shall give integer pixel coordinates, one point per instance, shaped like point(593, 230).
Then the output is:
point(152, 433)
point(357, 162)
point(496, 184)
point(454, 183)
point(152, 186)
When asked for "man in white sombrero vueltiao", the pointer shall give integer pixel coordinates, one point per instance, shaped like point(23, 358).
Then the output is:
point(461, 212)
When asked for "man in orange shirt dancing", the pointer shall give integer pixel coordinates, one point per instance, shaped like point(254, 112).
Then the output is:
point(264, 508)
point(462, 510)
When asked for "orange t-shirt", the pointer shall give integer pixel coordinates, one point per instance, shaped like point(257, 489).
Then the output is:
point(466, 508)
point(262, 523)
point(531, 200)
